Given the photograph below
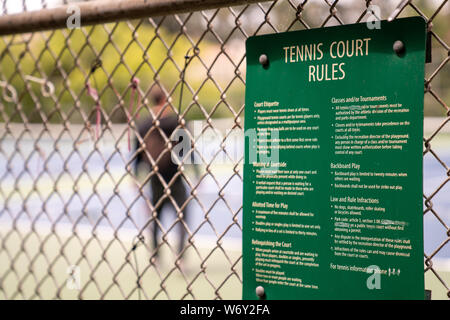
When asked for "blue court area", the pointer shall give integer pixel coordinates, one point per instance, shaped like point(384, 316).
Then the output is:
point(93, 190)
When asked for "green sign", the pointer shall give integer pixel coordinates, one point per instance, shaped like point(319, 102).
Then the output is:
point(333, 163)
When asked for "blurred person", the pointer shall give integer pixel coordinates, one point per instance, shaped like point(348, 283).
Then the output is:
point(156, 146)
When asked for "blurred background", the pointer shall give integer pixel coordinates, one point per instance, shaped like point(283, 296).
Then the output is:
point(72, 210)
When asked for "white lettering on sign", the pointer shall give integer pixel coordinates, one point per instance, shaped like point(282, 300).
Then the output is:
point(337, 50)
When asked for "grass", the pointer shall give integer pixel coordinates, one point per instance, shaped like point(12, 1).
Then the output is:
point(107, 269)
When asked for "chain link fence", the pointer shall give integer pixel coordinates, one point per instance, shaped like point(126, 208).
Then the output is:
point(77, 216)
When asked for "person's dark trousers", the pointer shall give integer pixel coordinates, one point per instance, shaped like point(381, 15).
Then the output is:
point(177, 194)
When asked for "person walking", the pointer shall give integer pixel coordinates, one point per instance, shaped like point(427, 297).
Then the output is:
point(166, 187)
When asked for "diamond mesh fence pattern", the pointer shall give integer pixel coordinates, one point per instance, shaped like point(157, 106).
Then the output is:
point(76, 213)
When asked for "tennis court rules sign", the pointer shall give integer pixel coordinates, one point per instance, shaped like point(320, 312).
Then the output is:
point(333, 163)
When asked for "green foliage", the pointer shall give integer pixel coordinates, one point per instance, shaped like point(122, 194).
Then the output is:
point(65, 58)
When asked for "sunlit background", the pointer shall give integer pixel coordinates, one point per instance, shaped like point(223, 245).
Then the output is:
point(67, 199)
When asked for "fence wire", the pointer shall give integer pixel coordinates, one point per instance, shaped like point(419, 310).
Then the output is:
point(75, 215)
